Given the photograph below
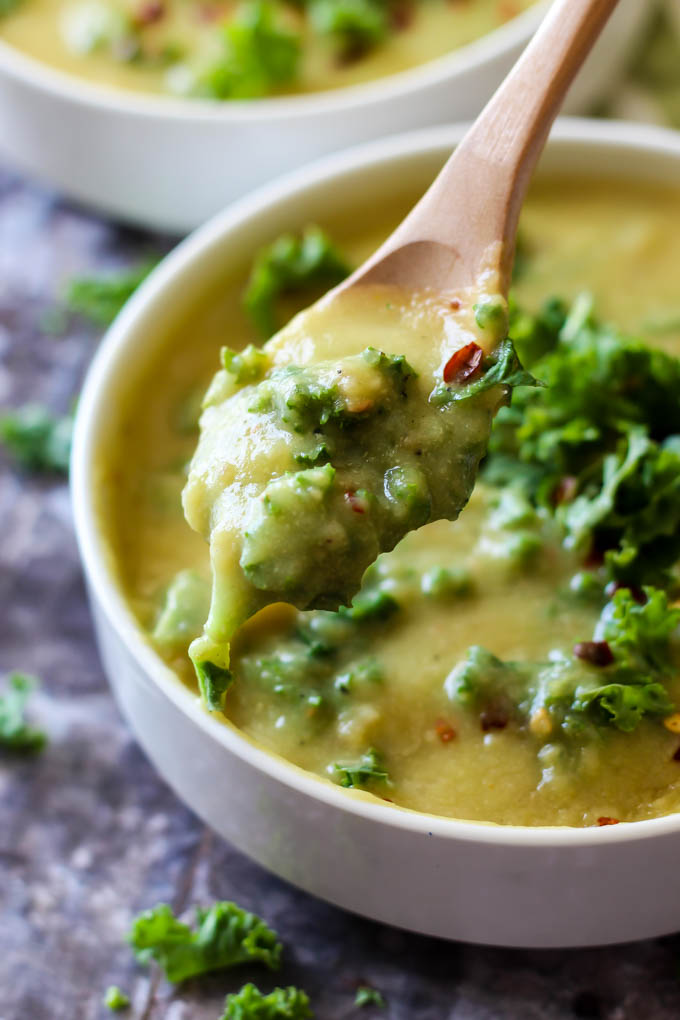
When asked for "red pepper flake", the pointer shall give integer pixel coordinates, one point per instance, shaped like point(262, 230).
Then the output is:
point(356, 502)
point(637, 593)
point(606, 820)
point(566, 490)
point(444, 731)
point(455, 305)
point(597, 653)
point(463, 363)
point(150, 12)
point(676, 756)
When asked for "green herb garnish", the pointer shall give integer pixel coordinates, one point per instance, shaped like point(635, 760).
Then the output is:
point(367, 770)
point(100, 298)
point(37, 440)
point(281, 1004)
point(259, 55)
point(214, 682)
point(367, 996)
point(225, 936)
point(287, 266)
point(115, 999)
point(15, 733)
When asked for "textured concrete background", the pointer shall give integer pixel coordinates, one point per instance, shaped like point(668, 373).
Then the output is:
point(89, 834)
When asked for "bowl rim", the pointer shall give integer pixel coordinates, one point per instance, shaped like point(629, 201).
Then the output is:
point(81, 92)
point(95, 557)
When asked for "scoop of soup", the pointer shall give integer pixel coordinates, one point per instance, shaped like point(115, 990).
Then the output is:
point(324, 448)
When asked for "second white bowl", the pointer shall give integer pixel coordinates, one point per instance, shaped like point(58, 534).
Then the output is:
point(170, 163)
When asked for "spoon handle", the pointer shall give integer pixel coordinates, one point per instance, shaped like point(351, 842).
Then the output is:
point(476, 199)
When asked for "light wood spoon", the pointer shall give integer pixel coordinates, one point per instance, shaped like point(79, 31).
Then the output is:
point(470, 213)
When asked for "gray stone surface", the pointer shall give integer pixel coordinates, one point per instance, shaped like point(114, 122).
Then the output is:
point(89, 834)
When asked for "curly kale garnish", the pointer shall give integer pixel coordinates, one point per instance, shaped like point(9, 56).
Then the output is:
point(289, 265)
point(259, 55)
point(355, 26)
point(15, 733)
point(367, 996)
point(281, 1004)
point(599, 446)
point(100, 298)
point(115, 999)
point(36, 439)
point(501, 368)
point(225, 936)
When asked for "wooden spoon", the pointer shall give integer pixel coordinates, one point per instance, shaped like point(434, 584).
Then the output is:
point(467, 220)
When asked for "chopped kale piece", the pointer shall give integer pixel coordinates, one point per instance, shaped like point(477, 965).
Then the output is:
point(446, 582)
point(100, 298)
point(354, 25)
point(15, 733)
point(246, 366)
point(370, 604)
point(259, 55)
point(289, 265)
point(369, 769)
point(597, 448)
point(367, 996)
point(503, 367)
point(115, 999)
point(37, 440)
point(225, 936)
point(213, 681)
point(281, 1004)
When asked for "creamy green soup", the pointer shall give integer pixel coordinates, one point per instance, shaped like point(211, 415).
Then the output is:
point(223, 49)
point(520, 665)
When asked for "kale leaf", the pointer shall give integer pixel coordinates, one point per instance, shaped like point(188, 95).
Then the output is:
point(259, 55)
point(281, 1004)
point(598, 447)
point(15, 732)
point(100, 298)
point(367, 996)
point(213, 682)
point(287, 266)
point(501, 368)
point(225, 936)
point(354, 25)
point(246, 366)
point(37, 440)
point(367, 770)
point(115, 999)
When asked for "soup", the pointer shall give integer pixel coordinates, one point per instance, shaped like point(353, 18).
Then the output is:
point(226, 50)
point(520, 665)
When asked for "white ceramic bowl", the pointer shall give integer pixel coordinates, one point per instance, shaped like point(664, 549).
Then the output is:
point(171, 163)
point(465, 880)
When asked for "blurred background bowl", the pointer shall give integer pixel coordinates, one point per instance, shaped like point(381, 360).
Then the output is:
point(170, 163)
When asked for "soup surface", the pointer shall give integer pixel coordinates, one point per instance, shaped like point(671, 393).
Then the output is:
point(518, 666)
point(222, 49)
